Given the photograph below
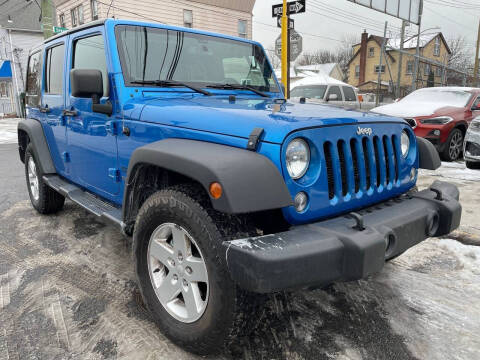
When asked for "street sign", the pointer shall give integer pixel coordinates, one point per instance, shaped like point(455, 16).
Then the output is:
point(291, 23)
point(408, 10)
point(293, 7)
point(58, 29)
point(296, 45)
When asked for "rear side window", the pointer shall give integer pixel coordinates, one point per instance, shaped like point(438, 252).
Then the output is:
point(89, 53)
point(54, 62)
point(349, 94)
point(335, 90)
point(34, 70)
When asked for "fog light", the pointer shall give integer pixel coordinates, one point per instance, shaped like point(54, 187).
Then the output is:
point(300, 202)
point(436, 132)
point(413, 174)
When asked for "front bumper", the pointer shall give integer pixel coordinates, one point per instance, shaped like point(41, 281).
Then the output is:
point(336, 249)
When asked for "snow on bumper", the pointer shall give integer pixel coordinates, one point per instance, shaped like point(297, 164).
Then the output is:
point(343, 248)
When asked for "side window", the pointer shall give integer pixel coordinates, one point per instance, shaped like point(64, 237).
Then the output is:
point(335, 90)
point(54, 70)
point(34, 71)
point(476, 103)
point(349, 94)
point(89, 53)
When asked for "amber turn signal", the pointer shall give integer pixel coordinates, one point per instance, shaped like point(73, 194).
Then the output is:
point(216, 190)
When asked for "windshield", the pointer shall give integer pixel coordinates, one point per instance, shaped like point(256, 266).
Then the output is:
point(445, 97)
point(309, 92)
point(148, 53)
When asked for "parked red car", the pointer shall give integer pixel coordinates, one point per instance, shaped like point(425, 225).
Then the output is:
point(441, 115)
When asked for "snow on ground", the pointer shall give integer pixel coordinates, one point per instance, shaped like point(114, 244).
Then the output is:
point(454, 170)
point(8, 130)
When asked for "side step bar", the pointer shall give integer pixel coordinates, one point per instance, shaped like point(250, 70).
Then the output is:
point(85, 199)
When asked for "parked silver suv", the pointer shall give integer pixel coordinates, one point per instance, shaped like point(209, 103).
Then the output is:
point(471, 149)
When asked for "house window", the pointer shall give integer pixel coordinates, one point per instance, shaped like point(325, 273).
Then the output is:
point(438, 71)
point(77, 15)
point(426, 69)
point(3, 89)
point(371, 52)
point(94, 9)
point(409, 67)
point(188, 18)
point(242, 28)
point(436, 49)
point(377, 69)
point(61, 20)
point(357, 71)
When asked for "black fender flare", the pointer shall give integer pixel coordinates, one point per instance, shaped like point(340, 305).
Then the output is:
point(250, 181)
point(33, 128)
point(428, 155)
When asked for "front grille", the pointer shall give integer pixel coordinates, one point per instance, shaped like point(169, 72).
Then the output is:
point(411, 122)
point(359, 165)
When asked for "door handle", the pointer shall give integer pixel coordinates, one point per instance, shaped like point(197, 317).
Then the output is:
point(70, 112)
point(44, 109)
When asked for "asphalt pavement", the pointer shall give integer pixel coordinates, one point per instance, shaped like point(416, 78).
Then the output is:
point(67, 291)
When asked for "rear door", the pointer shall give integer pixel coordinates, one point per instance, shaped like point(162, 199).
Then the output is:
point(92, 139)
point(53, 103)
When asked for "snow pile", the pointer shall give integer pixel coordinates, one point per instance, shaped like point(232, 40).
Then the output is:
point(469, 256)
point(454, 170)
point(8, 131)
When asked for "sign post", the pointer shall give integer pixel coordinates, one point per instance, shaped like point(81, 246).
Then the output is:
point(285, 10)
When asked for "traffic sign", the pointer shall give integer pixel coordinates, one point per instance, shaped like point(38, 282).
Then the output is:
point(293, 7)
point(58, 29)
point(291, 23)
point(296, 45)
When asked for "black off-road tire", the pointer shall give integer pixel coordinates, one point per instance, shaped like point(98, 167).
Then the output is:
point(472, 165)
point(230, 311)
point(445, 155)
point(49, 201)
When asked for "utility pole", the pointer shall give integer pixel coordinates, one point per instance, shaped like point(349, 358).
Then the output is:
point(475, 68)
point(400, 58)
point(47, 18)
point(285, 48)
point(417, 52)
point(377, 100)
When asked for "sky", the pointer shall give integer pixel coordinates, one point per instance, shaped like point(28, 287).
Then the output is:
point(326, 22)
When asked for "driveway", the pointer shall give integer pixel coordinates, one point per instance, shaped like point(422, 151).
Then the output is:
point(67, 291)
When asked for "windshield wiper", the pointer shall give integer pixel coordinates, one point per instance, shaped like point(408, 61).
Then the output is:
point(171, 83)
point(238, 87)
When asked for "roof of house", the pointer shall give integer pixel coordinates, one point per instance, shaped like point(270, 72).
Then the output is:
point(324, 68)
point(23, 15)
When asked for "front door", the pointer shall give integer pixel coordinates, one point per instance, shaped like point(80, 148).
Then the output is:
point(92, 141)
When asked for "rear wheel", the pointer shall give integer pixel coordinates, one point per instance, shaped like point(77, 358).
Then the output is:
point(454, 146)
point(43, 198)
point(182, 272)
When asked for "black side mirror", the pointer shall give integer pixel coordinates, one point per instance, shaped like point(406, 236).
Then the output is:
point(88, 83)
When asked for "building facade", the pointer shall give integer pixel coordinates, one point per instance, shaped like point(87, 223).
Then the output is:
point(232, 17)
point(364, 66)
point(20, 30)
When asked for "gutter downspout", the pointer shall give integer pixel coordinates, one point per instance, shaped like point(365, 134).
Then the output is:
point(17, 93)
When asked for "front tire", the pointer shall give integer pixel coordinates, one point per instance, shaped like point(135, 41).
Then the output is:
point(182, 272)
point(454, 146)
point(43, 198)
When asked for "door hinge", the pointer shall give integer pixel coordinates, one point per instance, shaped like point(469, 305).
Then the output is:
point(254, 139)
point(112, 127)
point(66, 156)
point(115, 174)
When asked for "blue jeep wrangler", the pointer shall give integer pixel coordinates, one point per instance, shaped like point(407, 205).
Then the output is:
point(184, 139)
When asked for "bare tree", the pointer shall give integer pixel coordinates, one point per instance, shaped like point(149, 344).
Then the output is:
point(461, 59)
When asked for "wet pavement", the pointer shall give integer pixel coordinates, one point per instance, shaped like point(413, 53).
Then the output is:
point(67, 291)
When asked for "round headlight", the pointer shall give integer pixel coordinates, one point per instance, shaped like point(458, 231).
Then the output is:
point(297, 158)
point(405, 143)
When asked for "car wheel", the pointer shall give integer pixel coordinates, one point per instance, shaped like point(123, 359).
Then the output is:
point(454, 146)
point(182, 272)
point(472, 165)
point(43, 198)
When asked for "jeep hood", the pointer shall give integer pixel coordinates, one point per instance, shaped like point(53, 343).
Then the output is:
point(217, 114)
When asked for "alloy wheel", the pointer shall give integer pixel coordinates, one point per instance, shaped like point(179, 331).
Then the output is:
point(33, 179)
point(178, 272)
point(455, 146)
